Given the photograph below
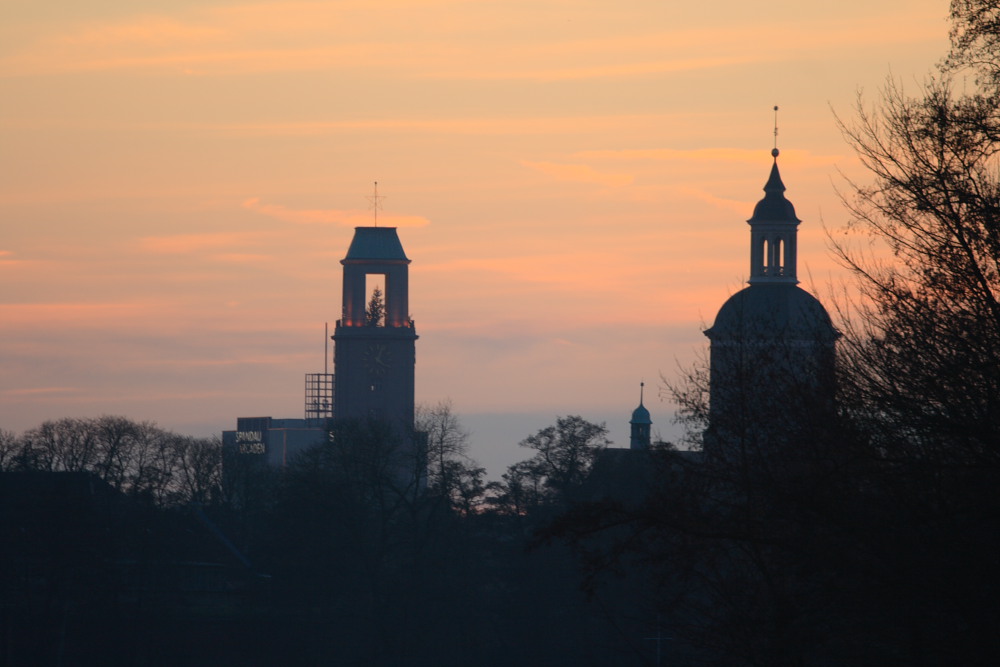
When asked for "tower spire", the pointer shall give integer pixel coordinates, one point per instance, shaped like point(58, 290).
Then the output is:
point(375, 202)
point(774, 151)
point(773, 229)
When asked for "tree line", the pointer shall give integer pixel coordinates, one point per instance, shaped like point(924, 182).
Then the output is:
point(343, 555)
point(136, 458)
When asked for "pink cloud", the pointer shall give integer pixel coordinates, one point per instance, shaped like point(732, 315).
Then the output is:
point(146, 31)
point(740, 155)
point(32, 315)
point(41, 391)
point(241, 258)
point(579, 173)
point(741, 208)
point(486, 125)
point(601, 70)
point(187, 243)
point(349, 218)
point(427, 42)
point(8, 261)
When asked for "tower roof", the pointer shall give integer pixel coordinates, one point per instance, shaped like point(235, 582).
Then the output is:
point(377, 243)
point(774, 207)
point(641, 415)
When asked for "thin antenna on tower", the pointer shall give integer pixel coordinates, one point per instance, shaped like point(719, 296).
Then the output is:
point(774, 151)
point(641, 389)
point(326, 348)
point(376, 202)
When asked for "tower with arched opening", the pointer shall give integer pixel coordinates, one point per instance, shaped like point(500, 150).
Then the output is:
point(375, 339)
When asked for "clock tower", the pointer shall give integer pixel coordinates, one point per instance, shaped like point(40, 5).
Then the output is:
point(375, 352)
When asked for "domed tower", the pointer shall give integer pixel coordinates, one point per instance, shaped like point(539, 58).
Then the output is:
point(772, 343)
point(641, 424)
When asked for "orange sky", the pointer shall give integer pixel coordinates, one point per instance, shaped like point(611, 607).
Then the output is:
point(179, 179)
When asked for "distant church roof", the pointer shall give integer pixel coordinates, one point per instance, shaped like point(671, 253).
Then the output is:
point(376, 243)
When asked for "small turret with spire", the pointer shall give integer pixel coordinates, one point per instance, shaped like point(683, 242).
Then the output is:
point(641, 424)
point(773, 230)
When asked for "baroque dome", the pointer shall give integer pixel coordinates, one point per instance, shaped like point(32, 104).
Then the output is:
point(769, 311)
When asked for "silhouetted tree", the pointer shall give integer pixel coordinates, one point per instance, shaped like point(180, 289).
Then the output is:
point(920, 375)
point(375, 310)
point(138, 458)
point(922, 348)
point(564, 454)
point(975, 39)
point(10, 448)
point(451, 473)
point(198, 465)
point(61, 445)
point(119, 438)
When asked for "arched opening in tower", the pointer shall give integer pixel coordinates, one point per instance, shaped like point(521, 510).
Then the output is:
point(375, 299)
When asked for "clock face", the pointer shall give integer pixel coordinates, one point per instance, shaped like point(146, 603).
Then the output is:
point(377, 359)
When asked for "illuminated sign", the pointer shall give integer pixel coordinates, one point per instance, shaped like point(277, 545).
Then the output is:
point(250, 442)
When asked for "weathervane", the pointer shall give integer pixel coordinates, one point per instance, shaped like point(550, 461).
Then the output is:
point(375, 202)
point(774, 151)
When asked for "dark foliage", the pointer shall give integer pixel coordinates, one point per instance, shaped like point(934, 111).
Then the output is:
point(137, 458)
point(352, 555)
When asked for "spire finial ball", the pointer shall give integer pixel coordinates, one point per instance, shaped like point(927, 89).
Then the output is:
point(774, 152)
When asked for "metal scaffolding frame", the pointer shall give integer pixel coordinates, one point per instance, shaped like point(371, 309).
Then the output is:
point(319, 395)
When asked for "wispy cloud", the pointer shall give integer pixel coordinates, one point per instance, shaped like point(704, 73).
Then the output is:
point(740, 155)
point(14, 315)
point(188, 243)
point(9, 261)
point(545, 125)
point(245, 360)
point(597, 70)
point(145, 31)
point(346, 218)
point(569, 272)
point(440, 39)
point(737, 206)
point(40, 392)
point(241, 257)
point(579, 173)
